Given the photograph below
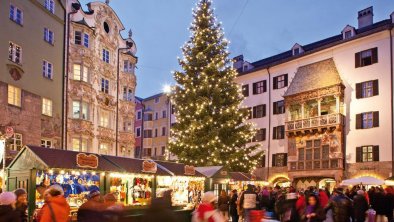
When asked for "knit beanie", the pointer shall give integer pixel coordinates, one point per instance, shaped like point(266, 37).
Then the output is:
point(19, 192)
point(7, 198)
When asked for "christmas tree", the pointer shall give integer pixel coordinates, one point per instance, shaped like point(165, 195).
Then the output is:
point(211, 126)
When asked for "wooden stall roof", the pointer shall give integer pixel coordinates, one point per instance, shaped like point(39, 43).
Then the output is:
point(178, 169)
point(214, 171)
point(44, 158)
point(241, 176)
point(131, 165)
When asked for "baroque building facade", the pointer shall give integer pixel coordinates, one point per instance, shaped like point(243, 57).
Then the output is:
point(31, 80)
point(324, 111)
point(100, 82)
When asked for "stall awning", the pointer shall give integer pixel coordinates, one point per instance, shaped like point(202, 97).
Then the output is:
point(180, 169)
point(240, 176)
point(214, 171)
point(131, 165)
point(45, 158)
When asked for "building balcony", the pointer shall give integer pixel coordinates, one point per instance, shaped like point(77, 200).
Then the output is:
point(148, 124)
point(148, 142)
point(324, 121)
point(126, 136)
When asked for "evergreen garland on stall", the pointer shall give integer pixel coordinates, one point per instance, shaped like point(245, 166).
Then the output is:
point(212, 127)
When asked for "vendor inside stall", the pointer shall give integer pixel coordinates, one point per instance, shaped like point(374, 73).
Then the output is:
point(187, 184)
point(37, 168)
point(239, 181)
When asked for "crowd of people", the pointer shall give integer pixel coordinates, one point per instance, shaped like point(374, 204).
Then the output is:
point(253, 204)
point(310, 205)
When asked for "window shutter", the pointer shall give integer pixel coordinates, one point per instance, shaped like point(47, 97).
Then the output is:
point(286, 80)
point(275, 80)
point(274, 133)
point(285, 160)
point(376, 119)
point(359, 121)
point(282, 130)
point(374, 55)
point(375, 153)
point(359, 155)
point(263, 161)
point(265, 86)
point(357, 59)
point(375, 87)
point(254, 88)
point(264, 132)
point(254, 112)
point(358, 90)
point(264, 110)
point(273, 160)
point(275, 108)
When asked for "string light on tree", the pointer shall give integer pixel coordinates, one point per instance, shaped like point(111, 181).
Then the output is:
point(211, 125)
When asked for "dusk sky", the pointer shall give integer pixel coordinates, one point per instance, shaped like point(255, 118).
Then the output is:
point(255, 28)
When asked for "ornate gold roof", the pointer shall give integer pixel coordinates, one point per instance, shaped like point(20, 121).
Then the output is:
point(314, 76)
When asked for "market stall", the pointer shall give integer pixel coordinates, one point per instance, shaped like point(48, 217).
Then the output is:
point(135, 184)
point(218, 178)
point(186, 183)
point(37, 168)
point(239, 181)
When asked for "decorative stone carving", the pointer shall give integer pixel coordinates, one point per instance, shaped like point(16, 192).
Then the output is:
point(106, 101)
point(81, 89)
point(84, 127)
point(106, 135)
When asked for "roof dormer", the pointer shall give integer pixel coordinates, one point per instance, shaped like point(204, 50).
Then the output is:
point(348, 32)
point(392, 17)
point(297, 49)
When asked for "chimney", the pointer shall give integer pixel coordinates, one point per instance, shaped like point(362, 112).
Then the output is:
point(238, 62)
point(365, 17)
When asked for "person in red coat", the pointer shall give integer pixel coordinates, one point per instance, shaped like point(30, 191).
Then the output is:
point(301, 202)
point(206, 212)
point(323, 198)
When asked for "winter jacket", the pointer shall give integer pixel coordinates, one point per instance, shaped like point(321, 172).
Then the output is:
point(223, 203)
point(320, 215)
point(341, 207)
point(8, 214)
point(389, 200)
point(360, 204)
point(379, 204)
point(249, 200)
point(207, 213)
point(60, 207)
point(89, 211)
point(22, 211)
point(233, 205)
point(301, 204)
point(160, 210)
point(289, 213)
point(323, 198)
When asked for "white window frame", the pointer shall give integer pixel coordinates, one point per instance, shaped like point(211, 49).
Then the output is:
point(105, 55)
point(47, 69)
point(14, 95)
point(105, 85)
point(128, 66)
point(157, 99)
point(280, 81)
point(139, 115)
point(86, 40)
point(127, 93)
point(47, 143)
point(367, 120)
point(367, 89)
point(80, 72)
point(127, 126)
point(104, 146)
point(16, 14)
point(83, 109)
point(49, 36)
point(104, 118)
point(16, 142)
point(47, 107)
point(50, 5)
point(13, 54)
point(83, 144)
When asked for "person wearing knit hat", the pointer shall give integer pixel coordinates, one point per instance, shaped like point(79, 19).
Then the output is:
point(7, 207)
point(21, 203)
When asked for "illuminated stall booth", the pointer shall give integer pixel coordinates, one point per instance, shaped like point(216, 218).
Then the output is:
point(218, 178)
point(239, 181)
point(186, 183)
point(134, 185)
point(37, 168)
